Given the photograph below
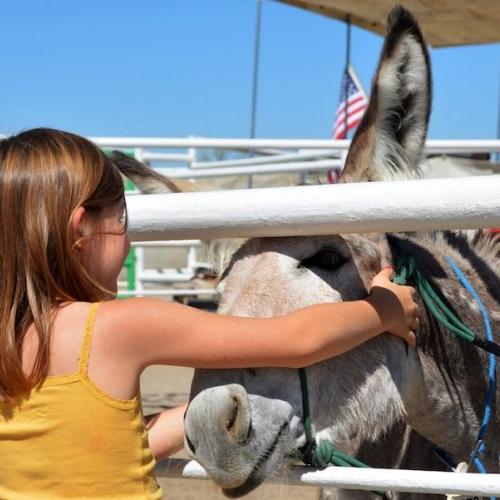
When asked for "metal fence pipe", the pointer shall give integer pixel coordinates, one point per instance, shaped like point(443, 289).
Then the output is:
point(270, 168)
point(169, 292)
point(432, 146)
point(411, 481)
point(265, 160)
point(418, 205)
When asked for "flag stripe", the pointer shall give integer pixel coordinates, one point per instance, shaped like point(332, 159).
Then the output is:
point(358, 107)
point(352, 121)
point(351, 102)
point(340, 132)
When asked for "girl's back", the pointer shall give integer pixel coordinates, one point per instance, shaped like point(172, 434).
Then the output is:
point(64, 425)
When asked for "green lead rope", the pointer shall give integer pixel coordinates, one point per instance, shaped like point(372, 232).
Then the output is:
point(406, 269)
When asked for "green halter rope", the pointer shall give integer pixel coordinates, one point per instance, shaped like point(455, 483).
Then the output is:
point(406, 269)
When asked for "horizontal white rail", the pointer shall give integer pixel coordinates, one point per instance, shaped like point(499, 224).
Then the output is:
point(171, 157)
point(265, 160)
point(362, 479)
point(458, 203)
point(165, 276)
point(432, 146)
point(167, 243)
point(270, 168)
point(171, 292)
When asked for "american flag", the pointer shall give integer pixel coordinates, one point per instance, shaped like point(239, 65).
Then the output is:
point(352, 92)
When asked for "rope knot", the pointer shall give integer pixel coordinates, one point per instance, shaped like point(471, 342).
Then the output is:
point(323, 454)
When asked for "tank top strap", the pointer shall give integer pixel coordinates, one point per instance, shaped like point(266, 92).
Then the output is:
point(87, 339)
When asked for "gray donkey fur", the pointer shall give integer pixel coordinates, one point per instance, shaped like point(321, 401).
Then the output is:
point(242, 425)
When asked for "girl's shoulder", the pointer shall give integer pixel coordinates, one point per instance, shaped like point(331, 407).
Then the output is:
point(66, 338)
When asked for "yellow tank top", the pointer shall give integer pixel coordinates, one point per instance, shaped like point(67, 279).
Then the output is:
point(68, 439)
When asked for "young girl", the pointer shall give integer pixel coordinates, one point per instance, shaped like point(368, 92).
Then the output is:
point(70, 356)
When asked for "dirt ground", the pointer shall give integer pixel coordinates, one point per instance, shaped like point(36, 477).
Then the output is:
point(166, 386)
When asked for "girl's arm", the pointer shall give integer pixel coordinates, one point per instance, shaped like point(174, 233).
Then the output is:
point(166, 432)
point(150, 331)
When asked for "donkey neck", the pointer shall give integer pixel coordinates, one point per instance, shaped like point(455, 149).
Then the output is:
point(445, 404)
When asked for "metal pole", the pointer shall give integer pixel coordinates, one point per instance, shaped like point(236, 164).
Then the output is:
point(255, 79)
point(255, 68)
point(347, 62)
point(498, 117)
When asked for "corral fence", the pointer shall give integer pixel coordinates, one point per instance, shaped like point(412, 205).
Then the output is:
point(427, 204)
point(267, 156)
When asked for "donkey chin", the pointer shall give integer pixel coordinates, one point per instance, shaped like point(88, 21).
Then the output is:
point(241, 439)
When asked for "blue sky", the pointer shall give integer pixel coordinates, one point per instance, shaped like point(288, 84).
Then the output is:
point(178, 67)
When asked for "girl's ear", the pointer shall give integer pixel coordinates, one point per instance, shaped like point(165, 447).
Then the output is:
point(77, 225)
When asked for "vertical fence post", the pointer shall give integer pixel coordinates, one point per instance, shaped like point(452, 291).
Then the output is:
point(131, 258)
point(129, 263)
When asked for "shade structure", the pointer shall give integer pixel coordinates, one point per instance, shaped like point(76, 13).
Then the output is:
point(443, 22)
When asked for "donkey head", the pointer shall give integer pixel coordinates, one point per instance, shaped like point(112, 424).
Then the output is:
point(242, 423)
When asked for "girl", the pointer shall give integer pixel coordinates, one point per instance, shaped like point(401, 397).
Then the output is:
point(70, 356)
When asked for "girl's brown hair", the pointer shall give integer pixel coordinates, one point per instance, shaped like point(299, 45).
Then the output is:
point(45, 175)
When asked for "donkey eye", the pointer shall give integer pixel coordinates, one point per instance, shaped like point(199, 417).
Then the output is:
point(324, 259)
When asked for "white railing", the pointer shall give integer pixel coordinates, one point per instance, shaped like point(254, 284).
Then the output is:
point(342, 208)
point(169, 292)
point(167, 275)
point(432, 146)
point(410, 481)
point(271, 167)
point(271, 155)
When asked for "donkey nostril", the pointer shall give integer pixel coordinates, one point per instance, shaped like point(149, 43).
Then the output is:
point(238, 417)
point(232, 417)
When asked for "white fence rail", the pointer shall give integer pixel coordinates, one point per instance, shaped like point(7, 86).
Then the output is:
point(432, 146)
point(426, 204)
point(362, 479)
point(270, 167)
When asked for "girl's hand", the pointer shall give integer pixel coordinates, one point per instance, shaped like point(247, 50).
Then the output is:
point(396, 305)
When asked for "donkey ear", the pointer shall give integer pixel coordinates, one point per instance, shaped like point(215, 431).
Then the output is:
point(147, 180)
point(390, 139)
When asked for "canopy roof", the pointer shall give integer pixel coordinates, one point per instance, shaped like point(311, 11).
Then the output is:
point(443, 22)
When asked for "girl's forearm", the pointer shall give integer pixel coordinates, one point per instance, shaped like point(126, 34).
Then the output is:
point(327, 330)
point(166, 432)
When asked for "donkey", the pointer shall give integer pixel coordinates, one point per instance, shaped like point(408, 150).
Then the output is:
point(242, 425)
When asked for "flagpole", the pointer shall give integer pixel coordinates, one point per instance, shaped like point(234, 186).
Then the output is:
point(347, 62)
point(498, 116)
point(255, 68)
point(255, 78)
